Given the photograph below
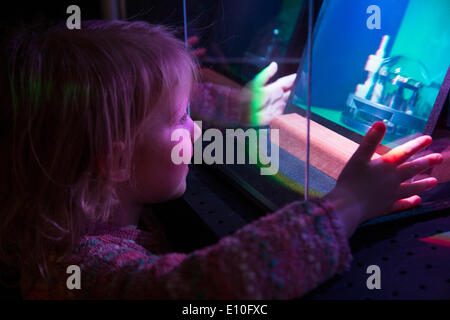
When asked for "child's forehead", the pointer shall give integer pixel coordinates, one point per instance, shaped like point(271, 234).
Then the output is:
point(172, 105)
point(180, 101)
point(180, 95)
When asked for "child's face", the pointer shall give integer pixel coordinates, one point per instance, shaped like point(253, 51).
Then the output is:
point(157, 178)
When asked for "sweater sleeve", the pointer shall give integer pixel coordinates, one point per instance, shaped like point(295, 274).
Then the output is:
point(280, 256)
point(216, 104)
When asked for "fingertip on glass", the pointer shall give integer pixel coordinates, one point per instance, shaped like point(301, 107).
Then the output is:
point(377, 126)
point(416, 200)
point(438, 158)
point(433, 182)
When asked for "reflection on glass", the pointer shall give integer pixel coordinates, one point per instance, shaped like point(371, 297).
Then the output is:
point(243, 37)
point(393, 74)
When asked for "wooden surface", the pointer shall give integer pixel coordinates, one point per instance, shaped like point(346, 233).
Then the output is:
point(329, 151)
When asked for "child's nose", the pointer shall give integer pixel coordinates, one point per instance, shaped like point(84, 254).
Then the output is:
point(197, 133)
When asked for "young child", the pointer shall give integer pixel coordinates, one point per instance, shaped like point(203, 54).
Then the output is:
point(88, 116)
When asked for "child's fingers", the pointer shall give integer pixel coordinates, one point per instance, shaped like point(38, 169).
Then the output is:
point(199, 52)
point(278, 102)
point(273, 93)
point(193, 40)
point(412, 168)
point(286, 96)
point(280, 106)
point(402, 153)
point(276, 107)
point(370, 142)
point(265, 75)
point(286, 82)
point(417, 187)
point(405, 204)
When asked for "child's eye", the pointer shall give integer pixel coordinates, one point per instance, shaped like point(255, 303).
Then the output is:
point(184, 118)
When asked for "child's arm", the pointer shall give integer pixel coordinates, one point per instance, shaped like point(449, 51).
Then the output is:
point(223, 103)
point(283, 255)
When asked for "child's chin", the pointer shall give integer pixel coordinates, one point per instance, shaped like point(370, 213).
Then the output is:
point(178, 191)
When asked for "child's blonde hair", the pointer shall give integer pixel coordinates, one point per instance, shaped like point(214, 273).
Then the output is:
point(69, 96)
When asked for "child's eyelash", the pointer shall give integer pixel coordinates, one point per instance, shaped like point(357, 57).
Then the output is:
point(184, 117)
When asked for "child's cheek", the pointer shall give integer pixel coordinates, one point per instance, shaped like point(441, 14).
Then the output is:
point(187, 147)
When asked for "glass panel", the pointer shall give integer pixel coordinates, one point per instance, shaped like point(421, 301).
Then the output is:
point(242, 37)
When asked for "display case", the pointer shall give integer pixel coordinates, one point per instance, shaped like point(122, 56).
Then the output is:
point(369, 63)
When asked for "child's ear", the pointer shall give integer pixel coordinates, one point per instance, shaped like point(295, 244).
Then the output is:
point(114, 165)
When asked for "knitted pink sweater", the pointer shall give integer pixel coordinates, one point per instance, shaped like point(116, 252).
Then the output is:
point(280, 256)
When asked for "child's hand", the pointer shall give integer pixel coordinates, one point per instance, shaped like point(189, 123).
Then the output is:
point(369, 188)
point(261, 102)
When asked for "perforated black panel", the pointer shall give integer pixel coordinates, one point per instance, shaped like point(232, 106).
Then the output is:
point(410, 268)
